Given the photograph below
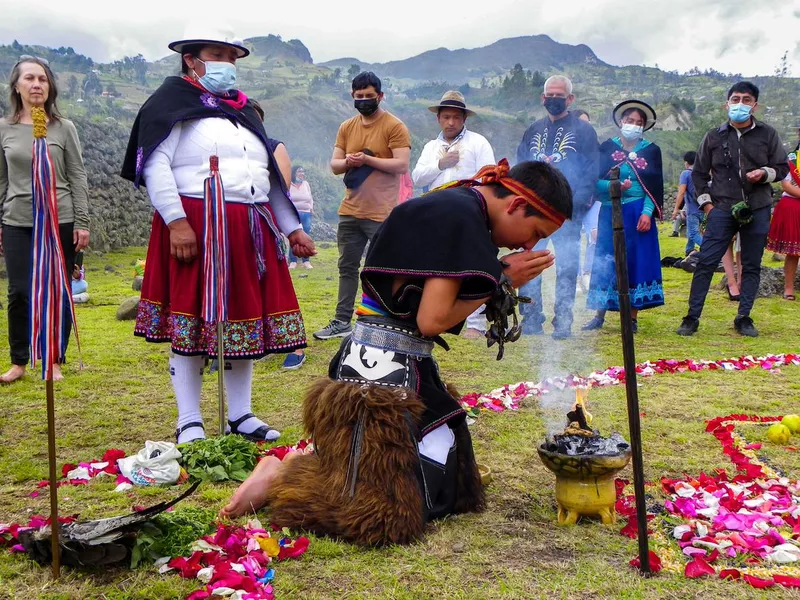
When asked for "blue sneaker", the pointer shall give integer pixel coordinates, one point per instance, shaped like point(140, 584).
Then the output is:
point(294, 361)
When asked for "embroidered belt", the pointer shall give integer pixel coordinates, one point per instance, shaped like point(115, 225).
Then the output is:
point(391, 338)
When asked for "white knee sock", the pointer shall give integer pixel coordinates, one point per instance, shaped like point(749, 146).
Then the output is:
point(187, 381)
point(238, 386)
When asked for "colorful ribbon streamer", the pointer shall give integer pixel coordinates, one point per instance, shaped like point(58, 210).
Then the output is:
point(215, 258)
point(50, 298)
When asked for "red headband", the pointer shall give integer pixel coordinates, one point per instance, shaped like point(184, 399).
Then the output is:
point(499, 174)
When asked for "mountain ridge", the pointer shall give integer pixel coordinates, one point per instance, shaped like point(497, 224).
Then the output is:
point(533, 52)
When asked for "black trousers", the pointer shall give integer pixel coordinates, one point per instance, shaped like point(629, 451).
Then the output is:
point(720, 229)
point(17, 242)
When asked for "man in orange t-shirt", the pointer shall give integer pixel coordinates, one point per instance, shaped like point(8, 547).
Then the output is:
point(372, 150)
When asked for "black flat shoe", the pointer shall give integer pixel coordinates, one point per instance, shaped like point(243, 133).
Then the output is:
point(594, 324)
point(265, 433)
point(731, 297)
point(689, 326)
point(635, 325)
point(744, 326)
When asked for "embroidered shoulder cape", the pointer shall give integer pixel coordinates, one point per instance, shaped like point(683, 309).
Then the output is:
point(442, 234)
point(645, 164)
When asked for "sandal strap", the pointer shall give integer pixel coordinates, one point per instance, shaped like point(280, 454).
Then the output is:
point(180, 430)
point(240, 420)
point(257, 435)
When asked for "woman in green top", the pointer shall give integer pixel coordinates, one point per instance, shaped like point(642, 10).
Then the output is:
point(32, 84)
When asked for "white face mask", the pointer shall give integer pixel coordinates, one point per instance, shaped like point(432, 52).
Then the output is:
point(220, 77)
point(631, 132)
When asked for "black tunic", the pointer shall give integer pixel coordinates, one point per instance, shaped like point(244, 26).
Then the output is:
point(442, 234)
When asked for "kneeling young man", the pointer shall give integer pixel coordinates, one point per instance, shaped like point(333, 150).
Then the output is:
point(391, 445)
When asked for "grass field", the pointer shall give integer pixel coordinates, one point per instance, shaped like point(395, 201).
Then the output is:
point(514, 550)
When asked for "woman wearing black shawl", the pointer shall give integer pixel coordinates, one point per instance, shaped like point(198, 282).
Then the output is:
point(182, 125)
point(639, 162)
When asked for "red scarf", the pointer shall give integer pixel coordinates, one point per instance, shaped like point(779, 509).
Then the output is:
point(499, 174)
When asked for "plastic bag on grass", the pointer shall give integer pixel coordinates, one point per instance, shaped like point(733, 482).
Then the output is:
point(155, 464)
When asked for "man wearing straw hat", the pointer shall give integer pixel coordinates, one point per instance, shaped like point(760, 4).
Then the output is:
point(455, 154)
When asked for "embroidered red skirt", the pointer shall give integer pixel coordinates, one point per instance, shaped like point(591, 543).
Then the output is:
point(263, 314)
point(784, 231)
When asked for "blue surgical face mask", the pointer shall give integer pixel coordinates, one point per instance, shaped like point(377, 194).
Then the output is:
point(739, 113)
point(631, 132)
point(220, 76)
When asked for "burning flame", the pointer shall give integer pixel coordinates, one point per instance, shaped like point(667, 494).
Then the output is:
point(581, 393)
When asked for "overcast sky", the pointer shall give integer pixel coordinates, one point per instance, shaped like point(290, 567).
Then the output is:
point(728, 35)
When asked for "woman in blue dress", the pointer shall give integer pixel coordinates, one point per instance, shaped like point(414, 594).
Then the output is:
point(642, 181)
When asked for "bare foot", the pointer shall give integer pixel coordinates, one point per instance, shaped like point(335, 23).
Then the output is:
point(252, 494)
point(57, 375)
point(14, 373)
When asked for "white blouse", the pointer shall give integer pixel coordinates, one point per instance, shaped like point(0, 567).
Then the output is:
point(180, 164)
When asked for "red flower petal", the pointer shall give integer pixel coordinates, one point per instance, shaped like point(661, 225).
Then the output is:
point(294, 550)
point(698, 567)
point(655, 562)
point(67, 468)
point(730, 574)
point(757, 582)
point(112, 455)
point(786, 581)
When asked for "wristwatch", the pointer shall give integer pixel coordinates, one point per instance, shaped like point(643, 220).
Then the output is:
point(702, 200)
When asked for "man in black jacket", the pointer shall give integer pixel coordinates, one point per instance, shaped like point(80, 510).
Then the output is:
point(568, 143)
point(744, 156)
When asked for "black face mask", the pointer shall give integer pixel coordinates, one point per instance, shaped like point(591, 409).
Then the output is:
point(366, 107)
point(555, 106)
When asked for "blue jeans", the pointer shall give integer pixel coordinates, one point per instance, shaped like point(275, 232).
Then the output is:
point(567, 245)
point(720, 228)
point(693, 235)
point(305, 220)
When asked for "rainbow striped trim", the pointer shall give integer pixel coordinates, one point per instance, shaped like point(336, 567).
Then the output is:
point(370, 308)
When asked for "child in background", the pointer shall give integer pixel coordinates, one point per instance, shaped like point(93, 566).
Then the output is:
point(79, 284)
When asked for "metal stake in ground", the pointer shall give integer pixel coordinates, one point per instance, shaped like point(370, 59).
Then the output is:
point(629, 357)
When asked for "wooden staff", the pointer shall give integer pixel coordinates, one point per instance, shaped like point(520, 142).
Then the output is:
point(51, 456)
point(221, 375)
point(629, 358)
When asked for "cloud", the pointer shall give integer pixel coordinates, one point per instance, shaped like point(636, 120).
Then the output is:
point(678, 34)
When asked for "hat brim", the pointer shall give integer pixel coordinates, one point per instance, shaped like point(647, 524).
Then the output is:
point(181, 44)
point(643, 106)
point(435, 109)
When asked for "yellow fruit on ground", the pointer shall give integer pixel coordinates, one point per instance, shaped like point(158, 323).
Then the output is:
point(778, 434)
point(792, 422)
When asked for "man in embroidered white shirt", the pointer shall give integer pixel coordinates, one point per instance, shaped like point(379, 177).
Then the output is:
point(456, 153)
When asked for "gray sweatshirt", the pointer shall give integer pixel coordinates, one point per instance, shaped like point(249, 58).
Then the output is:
point(16, 202)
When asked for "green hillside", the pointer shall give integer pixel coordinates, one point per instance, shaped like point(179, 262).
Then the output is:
point(305, 103)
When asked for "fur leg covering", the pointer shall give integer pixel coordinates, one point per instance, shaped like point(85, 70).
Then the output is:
point(312, 491)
